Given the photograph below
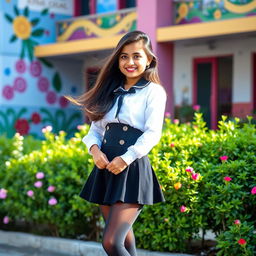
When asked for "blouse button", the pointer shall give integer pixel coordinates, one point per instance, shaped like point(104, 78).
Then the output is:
point(121, 142)
point(107, 127)
point(105, 141)
point(125, 128)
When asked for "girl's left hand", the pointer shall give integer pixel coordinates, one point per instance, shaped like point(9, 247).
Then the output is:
point(117, 165)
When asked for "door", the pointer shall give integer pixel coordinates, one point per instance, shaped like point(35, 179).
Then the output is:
point(204, 89)
point(254, 83)
point(212, 87)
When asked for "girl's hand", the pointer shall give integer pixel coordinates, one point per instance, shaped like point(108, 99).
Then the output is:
point(99, 158)
point(117, 165)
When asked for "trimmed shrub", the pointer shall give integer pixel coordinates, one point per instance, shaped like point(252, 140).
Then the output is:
point(207, 176)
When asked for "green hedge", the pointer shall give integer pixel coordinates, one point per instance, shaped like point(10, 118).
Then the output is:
point(202, 191)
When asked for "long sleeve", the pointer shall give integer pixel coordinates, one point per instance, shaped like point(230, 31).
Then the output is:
point(95, 135)
point(154, 115)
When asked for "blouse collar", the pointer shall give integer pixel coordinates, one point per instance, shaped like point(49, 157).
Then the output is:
point(142, 83)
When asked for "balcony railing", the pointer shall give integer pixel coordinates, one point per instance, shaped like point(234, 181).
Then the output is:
point(211, 10)
point(98, 25)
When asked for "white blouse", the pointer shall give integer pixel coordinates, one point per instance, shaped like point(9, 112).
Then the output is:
point(143, 110)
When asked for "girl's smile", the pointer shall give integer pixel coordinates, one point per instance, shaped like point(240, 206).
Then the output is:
point(133, 61)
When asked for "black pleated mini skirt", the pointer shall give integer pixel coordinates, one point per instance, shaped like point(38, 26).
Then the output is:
point(137, 183)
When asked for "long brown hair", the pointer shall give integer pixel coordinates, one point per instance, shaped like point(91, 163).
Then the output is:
point(99, 99)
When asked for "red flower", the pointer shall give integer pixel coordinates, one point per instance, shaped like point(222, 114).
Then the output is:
point(227, 178)
point(196, 107)
point(237, 222)
point(22, 126)
point(241, 241)
point(224, 158)
point(36, 118)
point(253, 191)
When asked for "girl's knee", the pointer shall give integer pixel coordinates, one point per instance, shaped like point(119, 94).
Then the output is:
point(111, 245)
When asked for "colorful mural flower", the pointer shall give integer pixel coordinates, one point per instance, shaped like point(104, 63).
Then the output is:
point(51, 97)
point(36, 118)
point(22, 126)
point(43, 84)
point(63, 102)
point(20, 66)
point(8, 92)
point(217, 14)
point(20, 84)
point(24, 30)
point(35, 68)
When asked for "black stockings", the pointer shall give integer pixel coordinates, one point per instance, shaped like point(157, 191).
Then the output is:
point(118, 237)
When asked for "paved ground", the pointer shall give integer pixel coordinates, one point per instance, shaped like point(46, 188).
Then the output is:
point(6, 250)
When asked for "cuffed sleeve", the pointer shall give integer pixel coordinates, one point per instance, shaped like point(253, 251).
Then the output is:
point(154, 115)
point(94, 136)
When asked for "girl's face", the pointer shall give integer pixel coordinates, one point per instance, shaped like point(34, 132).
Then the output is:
point(133, 61)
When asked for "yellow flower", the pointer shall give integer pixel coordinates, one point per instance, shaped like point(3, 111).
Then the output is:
point(183, 10)
point(22, 27)
point(177, 185)
point(99, 21)
point(191, 4)
point(118, 17)
point(217, 14)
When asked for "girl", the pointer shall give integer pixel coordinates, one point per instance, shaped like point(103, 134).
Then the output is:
point(126, 107)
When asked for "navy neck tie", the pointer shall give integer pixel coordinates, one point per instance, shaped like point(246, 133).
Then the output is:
point(119, 93)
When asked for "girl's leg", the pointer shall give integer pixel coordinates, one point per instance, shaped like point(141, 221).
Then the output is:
point(129, 243)
point(119, 222)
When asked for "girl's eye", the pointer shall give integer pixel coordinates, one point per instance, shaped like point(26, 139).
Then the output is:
point(136, 57)
point(123, 57)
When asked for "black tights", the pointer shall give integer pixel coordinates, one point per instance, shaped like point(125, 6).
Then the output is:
point(118, 236)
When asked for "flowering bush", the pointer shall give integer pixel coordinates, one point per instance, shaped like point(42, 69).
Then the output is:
point(208, 179)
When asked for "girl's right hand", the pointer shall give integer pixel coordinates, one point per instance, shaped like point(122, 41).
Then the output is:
point(99, 158)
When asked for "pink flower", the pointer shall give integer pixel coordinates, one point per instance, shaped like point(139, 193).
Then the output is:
point(79, 127)
point(227, 178)
point(195, 176)
point(63, 102)
point(20, 66)
point(38, 184)
point(3, 193)
point(51, 97)
point(172, 145)
point(224, 158)
point(43, 84)
point(237, 222)
point(35, 68)
point(40, 175)
point(6, 220)
point(253, 190)
point(52, 201)
point(176, 121)
point(196, 107)
point(8, 92)
point(241, 241)
point(167, 114)
point(183, 208)
point(20, 84)
point(47, 129)
point(51, 188)
point(189, 169)
point(30, 193)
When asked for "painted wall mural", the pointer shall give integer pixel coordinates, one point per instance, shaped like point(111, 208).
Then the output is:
point(32, 90)
point(210, 10)
point(99, 26)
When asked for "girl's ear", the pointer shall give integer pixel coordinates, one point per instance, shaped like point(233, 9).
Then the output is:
point(149, 61)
